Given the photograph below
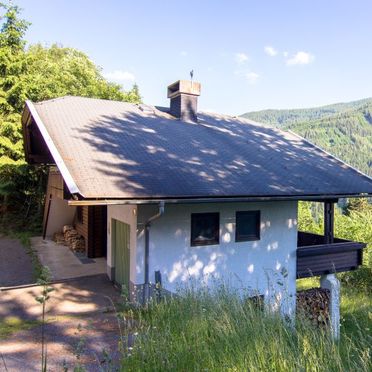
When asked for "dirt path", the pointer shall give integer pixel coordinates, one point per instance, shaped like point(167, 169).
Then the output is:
point(91, 341)
point(15, 263)
point(81, 325)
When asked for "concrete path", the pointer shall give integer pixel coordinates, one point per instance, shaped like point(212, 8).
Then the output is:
point(79, 325)
point(63, 263)
point(15, 263)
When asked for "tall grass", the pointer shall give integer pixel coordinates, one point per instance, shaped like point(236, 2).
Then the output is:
point(217, 331)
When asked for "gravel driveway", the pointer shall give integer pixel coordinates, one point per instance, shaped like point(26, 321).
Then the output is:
point(15, 263)
point(81, 325)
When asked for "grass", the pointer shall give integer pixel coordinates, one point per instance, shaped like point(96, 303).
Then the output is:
point(216, 331)
point(12, 324)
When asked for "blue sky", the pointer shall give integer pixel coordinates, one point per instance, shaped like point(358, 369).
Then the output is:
point(248, 55)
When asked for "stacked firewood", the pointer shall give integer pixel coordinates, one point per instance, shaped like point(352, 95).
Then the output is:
point(74, 240)
point(313, 304)
point(59, 238)
point(71, 238)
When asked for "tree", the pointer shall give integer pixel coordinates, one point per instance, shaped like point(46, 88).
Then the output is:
point(38, 73)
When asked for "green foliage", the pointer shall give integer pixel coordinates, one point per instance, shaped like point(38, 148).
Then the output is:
point(37, 73)
point(204, 331)
point(345, 129)
point(56, 71)
point(13, 29)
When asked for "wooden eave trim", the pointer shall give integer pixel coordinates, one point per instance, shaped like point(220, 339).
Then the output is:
point(53, 150)
point(191, 200)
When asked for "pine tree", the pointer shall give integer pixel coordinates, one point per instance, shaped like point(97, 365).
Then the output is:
point(37, 73)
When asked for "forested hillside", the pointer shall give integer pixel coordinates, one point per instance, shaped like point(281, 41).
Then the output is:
point(343, 129)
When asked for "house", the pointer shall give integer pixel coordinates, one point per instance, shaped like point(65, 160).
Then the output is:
point(174, 194)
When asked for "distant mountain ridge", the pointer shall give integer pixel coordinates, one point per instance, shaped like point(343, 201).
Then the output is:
point(343, 129)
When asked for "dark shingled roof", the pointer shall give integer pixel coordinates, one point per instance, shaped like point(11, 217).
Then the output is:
point(116, 150)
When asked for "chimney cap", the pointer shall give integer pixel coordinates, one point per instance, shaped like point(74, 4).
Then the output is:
point(184, 87)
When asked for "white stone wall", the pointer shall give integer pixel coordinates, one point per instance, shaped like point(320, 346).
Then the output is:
point(60, 214)
point(267, 266)
point(126, 214)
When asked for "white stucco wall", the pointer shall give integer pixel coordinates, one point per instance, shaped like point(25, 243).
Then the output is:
point(267, 266)
point(126, 214)
point(60, 214)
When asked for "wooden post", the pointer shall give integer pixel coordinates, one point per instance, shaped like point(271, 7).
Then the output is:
point(329, 221)
point(46, 217)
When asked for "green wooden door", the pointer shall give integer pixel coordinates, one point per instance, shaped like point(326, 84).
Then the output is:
point(120, 247)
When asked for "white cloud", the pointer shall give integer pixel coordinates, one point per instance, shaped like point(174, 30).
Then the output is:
point(252, 77)
point(183, 53)
point(241, 58)
point(119, 75)
point(285, 54)
point(300, 58)
point(269, 50)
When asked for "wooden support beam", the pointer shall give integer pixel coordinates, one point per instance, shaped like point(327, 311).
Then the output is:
point(329, 221)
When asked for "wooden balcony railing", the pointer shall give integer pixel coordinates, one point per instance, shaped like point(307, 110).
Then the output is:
point(315, 257)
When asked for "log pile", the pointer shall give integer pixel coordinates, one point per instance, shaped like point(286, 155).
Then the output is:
point(313, 304)
point(71, 238)
point(59, 238)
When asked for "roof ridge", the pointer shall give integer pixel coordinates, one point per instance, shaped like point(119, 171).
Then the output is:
point(51, 100)
point(81, 97)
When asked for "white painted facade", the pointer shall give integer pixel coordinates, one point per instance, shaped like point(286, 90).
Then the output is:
point(266, 266)
point(60, 214)
point(256, 266)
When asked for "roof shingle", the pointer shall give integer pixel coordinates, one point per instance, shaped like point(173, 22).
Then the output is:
point(116, 150)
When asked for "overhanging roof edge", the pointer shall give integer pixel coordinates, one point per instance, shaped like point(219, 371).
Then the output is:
point(53, 149)
point(331, 155)
point(240, 199)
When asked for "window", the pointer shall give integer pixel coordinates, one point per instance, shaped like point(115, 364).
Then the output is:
point(205, 228)
point(247, 226)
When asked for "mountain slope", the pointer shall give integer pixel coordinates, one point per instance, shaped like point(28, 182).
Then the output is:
point(285, 117)
point(343, 129)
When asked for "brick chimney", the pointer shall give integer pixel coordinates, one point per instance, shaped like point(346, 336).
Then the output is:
point(183, 96)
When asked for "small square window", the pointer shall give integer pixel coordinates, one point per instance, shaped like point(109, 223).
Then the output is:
point(247, 226)
point(205, 228)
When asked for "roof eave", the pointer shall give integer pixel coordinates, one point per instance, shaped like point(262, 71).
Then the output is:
point(70, 183)
point(193, 200)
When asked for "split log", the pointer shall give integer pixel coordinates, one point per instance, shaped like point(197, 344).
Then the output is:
point(67, 228)
point(59, 238)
